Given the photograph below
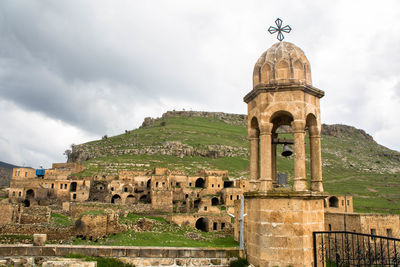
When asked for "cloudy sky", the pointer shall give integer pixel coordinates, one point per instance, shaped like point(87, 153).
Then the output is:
point(72, 71)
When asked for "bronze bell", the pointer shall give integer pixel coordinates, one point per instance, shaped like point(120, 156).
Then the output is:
point(286, 151)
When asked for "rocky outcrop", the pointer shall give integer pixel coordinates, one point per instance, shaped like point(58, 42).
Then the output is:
point(228, 118)
point(340, 131)
point(173, 148)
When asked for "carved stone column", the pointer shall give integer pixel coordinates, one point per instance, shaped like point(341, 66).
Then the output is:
point(254, 156)
point(273, 161)
point(300, 182)
point(316, 163)
point(265, 162)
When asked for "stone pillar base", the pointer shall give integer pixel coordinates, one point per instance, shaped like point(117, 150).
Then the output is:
point(280, 224)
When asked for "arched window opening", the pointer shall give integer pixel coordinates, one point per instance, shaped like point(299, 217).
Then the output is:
point(333, 202)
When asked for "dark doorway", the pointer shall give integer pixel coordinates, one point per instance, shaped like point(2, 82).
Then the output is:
point(116, 199)
point(333, 202)
point(73, 187)
point(200, 183)
point(196, 203)
point(148, 183)
point(228, 184)
point(30, 193)
point(202, 224)
point(27, 203)
point(143, 199)
point(214, 201)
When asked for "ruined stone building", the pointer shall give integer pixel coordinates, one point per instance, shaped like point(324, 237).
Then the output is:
point(196, 200)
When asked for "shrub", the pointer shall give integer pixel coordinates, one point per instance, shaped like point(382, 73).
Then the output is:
point(239, 263)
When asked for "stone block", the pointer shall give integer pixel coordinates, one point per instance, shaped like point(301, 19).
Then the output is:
point(152, 252)
point(5, 250)
point(39, 239)
point(166, 262)
point(118, 252)
point(19, 251)
point(180, 262)
point(215, 261)
point(66, 206)
point(196, 262)
point(48, 251)
point(172, 253)
point(106, 252)
point(133, 252)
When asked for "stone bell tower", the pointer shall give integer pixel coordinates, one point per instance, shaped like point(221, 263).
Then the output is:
point(283, 95)
point(282, 220)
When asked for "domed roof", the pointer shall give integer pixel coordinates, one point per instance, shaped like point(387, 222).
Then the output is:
point(283, 63)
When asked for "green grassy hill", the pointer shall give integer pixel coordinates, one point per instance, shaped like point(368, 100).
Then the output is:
point(353, 163)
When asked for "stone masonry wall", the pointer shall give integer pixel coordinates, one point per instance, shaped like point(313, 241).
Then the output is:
point(53, 232)
point(140, 256)
point(36, 214)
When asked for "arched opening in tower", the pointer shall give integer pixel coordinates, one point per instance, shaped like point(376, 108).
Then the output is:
point(282, 149)
point(202, 224)
point(200, 183)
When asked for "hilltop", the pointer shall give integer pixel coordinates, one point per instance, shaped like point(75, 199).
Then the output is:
point(353, 162)
point(6, 173)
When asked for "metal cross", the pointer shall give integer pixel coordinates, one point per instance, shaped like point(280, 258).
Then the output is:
point(279, 29)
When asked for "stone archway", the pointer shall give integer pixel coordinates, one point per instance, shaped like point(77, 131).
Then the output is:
point(214, 201)
point(333, 202)
point(30, 193)
point(200, 183)
point(202, 224)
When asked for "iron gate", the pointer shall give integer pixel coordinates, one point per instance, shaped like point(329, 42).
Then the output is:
point(341, 248)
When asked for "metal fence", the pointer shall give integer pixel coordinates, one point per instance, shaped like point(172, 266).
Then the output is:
point(340, 248)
